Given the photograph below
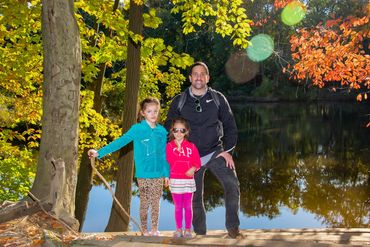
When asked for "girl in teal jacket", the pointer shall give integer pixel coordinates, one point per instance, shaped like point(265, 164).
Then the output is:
point(151, 167)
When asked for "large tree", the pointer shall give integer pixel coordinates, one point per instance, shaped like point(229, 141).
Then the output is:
point(61, 98)
point(117, 220)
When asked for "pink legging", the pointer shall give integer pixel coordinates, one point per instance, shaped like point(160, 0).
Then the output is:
point(183, 202)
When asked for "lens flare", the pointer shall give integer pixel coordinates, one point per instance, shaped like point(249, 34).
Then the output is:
point(261, 47)
point(240, 69)
point(293, 13)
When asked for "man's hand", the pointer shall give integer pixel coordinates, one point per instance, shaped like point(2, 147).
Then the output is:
point(228, 158)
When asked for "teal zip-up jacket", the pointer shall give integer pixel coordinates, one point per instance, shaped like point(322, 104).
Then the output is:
point(149, 149)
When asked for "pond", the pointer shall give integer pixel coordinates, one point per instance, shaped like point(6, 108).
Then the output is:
point(299, 165)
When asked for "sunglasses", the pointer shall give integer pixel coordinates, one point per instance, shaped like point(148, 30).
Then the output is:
point(175, 130)
point(198, 107)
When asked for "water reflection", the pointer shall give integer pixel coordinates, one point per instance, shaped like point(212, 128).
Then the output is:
point(296, 163)
point(314, 157)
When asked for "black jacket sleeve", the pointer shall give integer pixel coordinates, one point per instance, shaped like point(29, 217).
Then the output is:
point(230, 129)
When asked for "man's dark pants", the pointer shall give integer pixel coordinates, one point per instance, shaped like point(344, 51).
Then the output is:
point(229, 181)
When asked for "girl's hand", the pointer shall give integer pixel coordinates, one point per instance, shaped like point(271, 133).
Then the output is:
point(190, 172)
point(92, 153)
point(166, 182)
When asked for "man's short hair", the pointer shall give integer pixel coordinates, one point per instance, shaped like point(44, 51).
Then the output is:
point(201, 64)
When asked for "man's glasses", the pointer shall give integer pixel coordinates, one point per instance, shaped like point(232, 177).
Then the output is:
point(175, 130)
point(198, 107)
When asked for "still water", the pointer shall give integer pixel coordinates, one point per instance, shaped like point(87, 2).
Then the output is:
point(299, 165)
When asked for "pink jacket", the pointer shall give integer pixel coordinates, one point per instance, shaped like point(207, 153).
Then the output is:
point(181, 161)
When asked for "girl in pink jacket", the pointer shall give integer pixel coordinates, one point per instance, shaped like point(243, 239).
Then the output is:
point(184, 160)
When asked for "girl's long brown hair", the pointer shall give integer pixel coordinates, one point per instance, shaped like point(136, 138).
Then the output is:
point(143, 104)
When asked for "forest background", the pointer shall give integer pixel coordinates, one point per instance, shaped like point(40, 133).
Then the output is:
point(325, 56)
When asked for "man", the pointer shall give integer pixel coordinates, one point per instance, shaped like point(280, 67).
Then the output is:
point(213, 130)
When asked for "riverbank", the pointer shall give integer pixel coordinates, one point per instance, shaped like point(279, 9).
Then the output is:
point(41, 229)
point(259, 237)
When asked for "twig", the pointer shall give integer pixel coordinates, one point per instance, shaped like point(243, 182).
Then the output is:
point(114, 197)
point(42, 208)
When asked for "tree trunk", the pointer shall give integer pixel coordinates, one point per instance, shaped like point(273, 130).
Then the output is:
point(85, 173)
point(83, 187)
point(61, 98)
point(118, 221)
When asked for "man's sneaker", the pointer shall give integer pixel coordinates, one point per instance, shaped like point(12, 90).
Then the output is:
point(234, 233)
point(200, 233)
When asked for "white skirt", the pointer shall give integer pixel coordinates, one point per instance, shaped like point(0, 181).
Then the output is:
point(180, 186)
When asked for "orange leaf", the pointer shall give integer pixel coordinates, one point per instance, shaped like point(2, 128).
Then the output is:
point(359, 97)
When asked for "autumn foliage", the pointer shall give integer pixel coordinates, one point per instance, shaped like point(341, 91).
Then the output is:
point(278, 4)
point(333, 52)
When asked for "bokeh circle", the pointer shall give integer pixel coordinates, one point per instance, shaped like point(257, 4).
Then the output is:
point(261, 47)
point(293, 13)
point(240, 69)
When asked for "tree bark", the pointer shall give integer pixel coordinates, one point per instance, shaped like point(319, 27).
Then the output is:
point(83, 187)
point(61, 98)
point(21, 209)
point(117, 220)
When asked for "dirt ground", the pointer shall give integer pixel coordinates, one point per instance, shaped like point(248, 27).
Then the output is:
point(41, 229)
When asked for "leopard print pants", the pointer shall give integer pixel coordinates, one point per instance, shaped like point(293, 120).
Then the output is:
point(150, 190)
